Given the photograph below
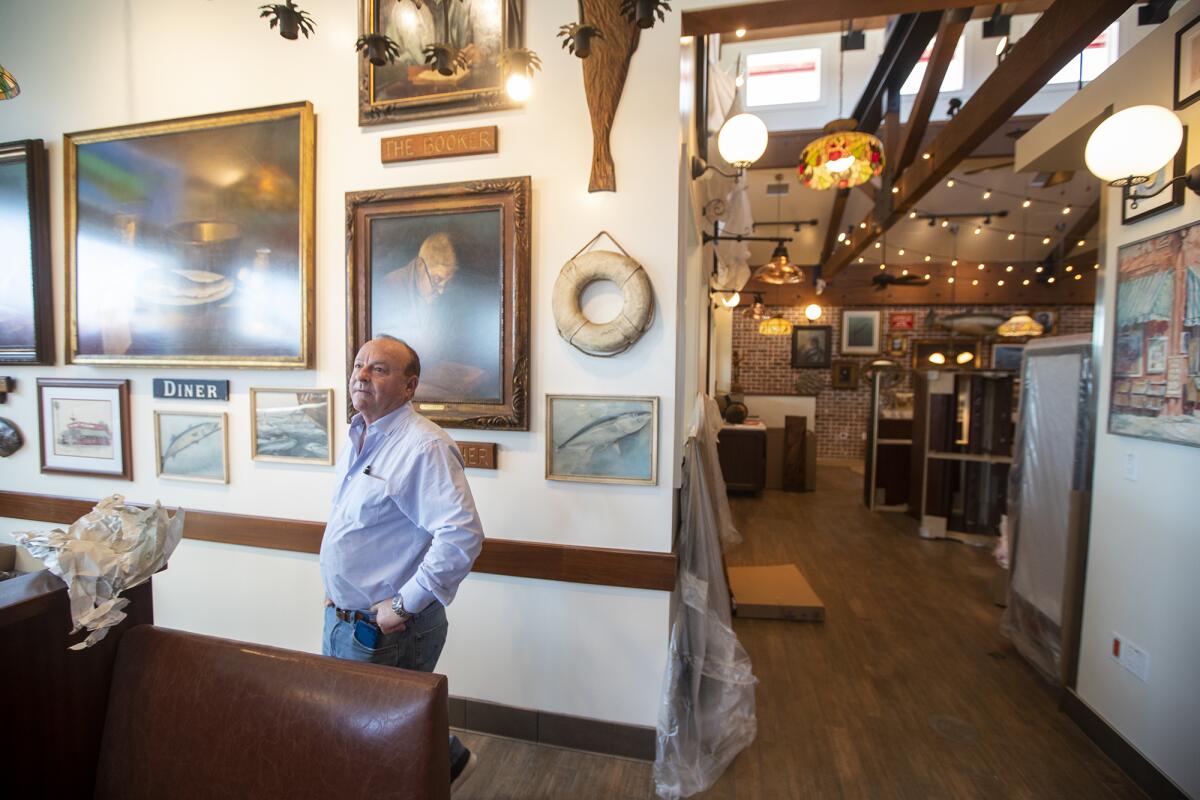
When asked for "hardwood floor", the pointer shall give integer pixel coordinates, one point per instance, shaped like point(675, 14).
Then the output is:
point(907, 690)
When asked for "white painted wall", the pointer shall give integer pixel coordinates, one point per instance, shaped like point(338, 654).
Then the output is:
point(580, 650)
point(1145, 534)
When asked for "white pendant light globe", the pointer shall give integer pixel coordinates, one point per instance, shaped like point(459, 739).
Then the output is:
point(1133, 144)
point(812, 312)
point(732, 300)
point(742, 140)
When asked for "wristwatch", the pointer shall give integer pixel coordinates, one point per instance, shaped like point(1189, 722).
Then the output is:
point(398, 608)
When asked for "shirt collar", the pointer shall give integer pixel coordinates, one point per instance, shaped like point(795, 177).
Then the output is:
point(387, 424)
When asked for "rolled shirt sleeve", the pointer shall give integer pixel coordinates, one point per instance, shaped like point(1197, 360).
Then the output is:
point(433, 493)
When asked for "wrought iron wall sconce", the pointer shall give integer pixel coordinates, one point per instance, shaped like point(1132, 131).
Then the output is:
point(1131, 146)
point(643, 12)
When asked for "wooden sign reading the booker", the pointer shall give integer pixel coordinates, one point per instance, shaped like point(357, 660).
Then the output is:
point(440, 144)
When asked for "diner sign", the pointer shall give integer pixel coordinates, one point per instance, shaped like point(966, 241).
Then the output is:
point(190, 389)
point(439, 144)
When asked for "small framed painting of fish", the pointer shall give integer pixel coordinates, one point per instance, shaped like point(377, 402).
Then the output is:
point(602, 439)
point(292, 425)
point(85, 427)
point(192, 446)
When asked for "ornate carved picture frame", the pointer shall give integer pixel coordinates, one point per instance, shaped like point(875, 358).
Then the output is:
point(447, 269)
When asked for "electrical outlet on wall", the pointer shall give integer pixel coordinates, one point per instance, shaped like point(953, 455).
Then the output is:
point(1129, 470)
point(1131, 657)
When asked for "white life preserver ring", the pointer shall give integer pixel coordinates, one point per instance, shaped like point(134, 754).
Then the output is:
point(637, 311)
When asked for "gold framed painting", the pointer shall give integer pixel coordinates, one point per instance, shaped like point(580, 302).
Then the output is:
point(26, 307)
point(291, 425)
point(192, 446)
point(595, 439)
point(189, 242)
point(408, 88)
point(447, 269)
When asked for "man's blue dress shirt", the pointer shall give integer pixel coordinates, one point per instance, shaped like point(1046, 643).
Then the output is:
point(403, 519)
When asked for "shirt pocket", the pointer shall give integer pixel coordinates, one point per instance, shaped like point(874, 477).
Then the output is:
point(365, 500)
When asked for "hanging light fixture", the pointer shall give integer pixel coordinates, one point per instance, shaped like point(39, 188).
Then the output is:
point(8, 85)
point(757, 310)
point(843, 157)
point(952, 352)
point(1021, 324)
point(775, 326)
point(779, 270)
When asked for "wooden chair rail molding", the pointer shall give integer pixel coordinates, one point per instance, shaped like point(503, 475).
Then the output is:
point(602, 566)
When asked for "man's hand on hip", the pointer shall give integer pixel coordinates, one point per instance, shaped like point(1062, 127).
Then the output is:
point(387, 620)
point(328, 602)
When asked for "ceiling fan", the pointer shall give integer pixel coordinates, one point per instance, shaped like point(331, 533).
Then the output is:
point(883, 281)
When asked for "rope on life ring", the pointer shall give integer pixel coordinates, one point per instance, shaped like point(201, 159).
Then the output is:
point(603, 339)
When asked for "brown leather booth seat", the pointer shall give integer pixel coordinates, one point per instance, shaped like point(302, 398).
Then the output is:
point(193, 716)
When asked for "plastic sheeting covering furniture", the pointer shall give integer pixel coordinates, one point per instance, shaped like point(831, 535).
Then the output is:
point(1052, 461)
point(707, 713)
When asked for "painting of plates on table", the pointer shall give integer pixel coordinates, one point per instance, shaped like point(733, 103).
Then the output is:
point(602, 439)
point(292, 425)
point(192, 446)
point(190, 242)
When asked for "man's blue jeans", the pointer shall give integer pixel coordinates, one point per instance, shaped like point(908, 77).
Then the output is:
point(417, 647)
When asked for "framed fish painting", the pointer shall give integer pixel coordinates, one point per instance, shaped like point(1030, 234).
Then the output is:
point(85, 427)
point(192, 446)
point(602, 439)
point(292, 425)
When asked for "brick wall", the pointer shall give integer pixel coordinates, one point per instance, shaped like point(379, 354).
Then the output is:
point(763, 366)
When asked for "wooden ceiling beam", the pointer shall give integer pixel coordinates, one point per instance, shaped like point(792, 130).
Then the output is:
point(1061, 33)
point(905, 43)
point(951, 28)
point(779, 13)
point(835, 222)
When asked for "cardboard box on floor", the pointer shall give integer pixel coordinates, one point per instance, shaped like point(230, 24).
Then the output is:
point(778, 592)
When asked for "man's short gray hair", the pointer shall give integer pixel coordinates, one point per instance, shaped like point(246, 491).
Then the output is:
point(414, 361)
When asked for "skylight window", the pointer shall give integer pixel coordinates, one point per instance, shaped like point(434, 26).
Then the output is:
point(784, 78)
point(1095, 58)
point(953, 82)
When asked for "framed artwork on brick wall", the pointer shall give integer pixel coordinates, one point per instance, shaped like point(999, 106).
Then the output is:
point(860, 332)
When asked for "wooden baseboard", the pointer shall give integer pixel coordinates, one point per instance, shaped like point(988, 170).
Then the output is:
point(559, 730)
point(600, 566)
point(1149, 778)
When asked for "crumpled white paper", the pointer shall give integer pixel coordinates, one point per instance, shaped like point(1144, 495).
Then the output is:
point(109, 550)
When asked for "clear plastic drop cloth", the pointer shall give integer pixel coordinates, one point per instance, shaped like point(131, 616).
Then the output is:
point(1052, 446)
point(109, 550)
point(707, 711)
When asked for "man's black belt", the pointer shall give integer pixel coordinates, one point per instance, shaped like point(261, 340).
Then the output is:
point(346, 615)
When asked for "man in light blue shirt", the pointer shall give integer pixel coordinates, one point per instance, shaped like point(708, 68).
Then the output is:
point(403, 531)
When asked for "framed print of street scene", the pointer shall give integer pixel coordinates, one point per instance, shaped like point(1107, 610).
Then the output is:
point(446, 269)
point(190, 241)
point(85, 427)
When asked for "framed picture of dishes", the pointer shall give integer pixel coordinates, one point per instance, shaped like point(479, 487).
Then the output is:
point(447, 57)
point(446, 269)
point(85, 427)
point(26, 307)
point(594, 439)
point(192, 446)
point(291, 425)
point(190, 241)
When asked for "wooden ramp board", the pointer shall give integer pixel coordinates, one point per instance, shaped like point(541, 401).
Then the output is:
point(778, 592)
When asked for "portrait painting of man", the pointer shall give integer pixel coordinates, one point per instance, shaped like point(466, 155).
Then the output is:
point(436, 282)
point(445, 268)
